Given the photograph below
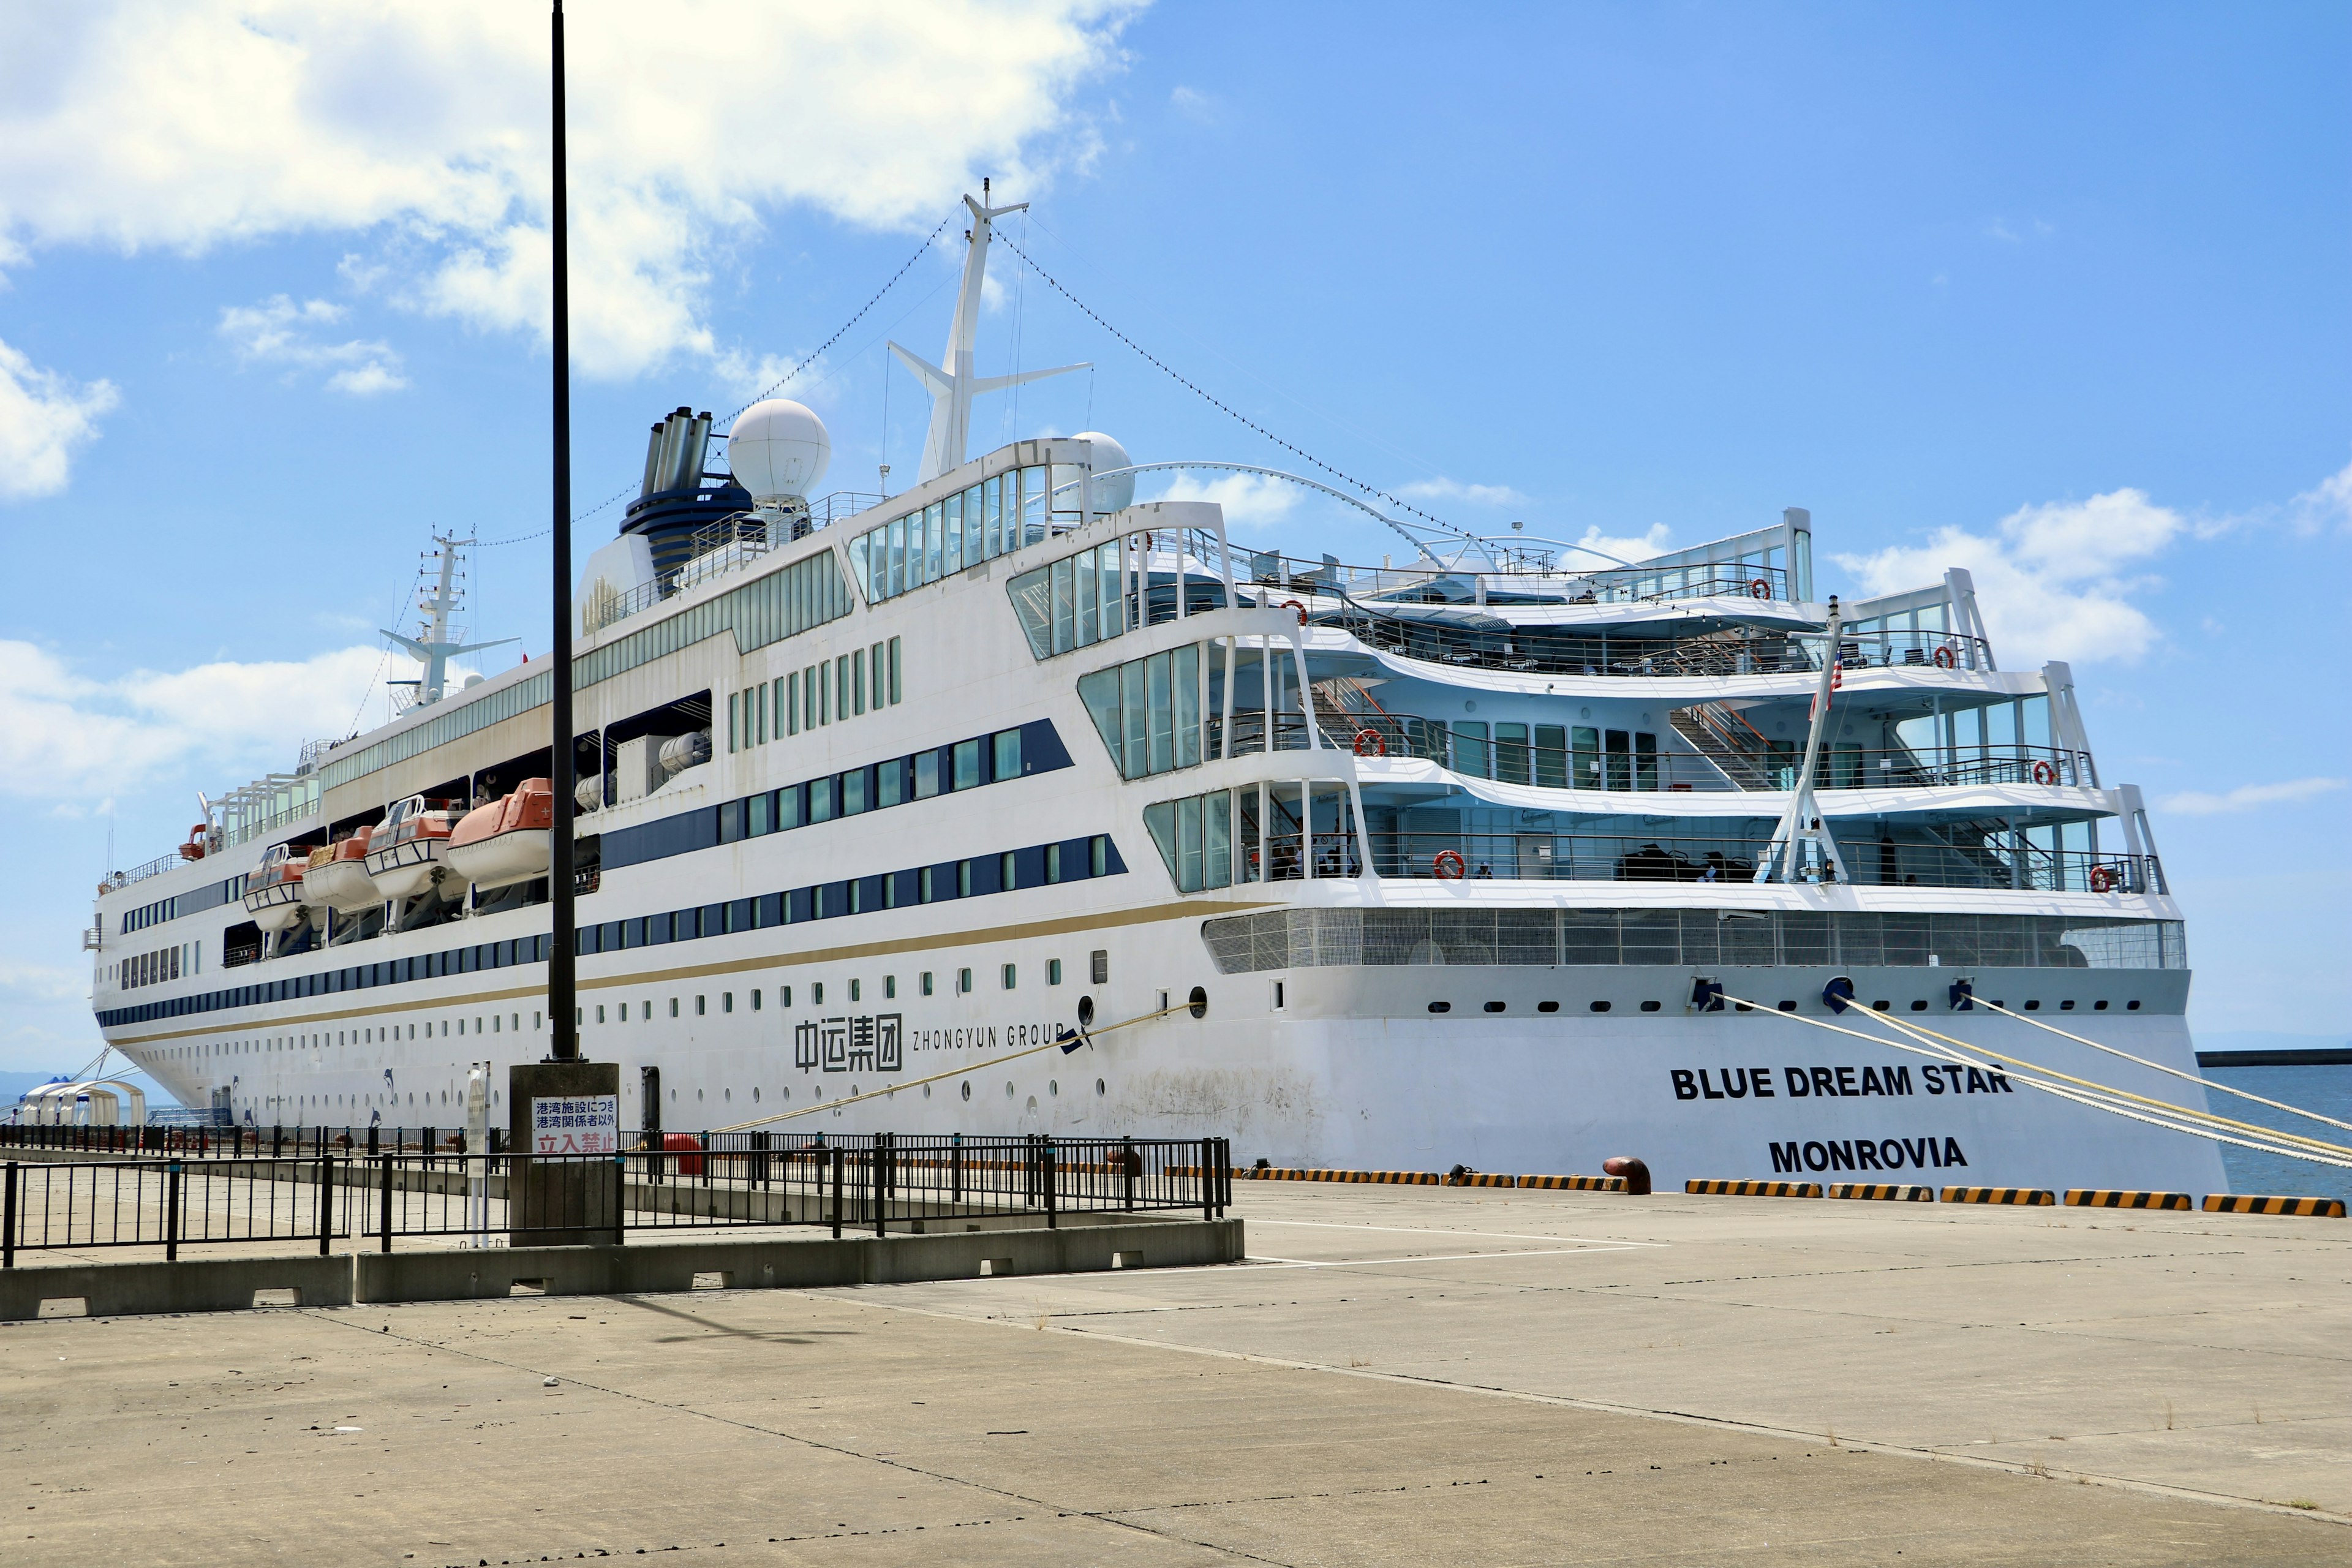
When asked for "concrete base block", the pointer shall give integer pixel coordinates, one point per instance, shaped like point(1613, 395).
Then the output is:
point(862, 1260)
point(195, 1284)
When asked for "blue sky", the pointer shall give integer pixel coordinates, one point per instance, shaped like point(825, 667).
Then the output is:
point(2060, 296)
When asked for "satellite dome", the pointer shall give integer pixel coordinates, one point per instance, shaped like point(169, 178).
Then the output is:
point(778, 450)
point(1112, 495)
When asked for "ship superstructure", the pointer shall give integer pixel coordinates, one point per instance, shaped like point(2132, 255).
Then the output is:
point(1491, 857)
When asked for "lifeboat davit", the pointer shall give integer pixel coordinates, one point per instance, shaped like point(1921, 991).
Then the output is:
point(506, 841)
point(338, 876)
point(273, 890)
point(403, 856)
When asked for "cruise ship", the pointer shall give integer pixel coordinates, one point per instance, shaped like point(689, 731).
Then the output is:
point(1012, 803)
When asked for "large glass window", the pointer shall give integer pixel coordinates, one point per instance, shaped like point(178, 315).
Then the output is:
point(1195, 836)
point(1148, 710)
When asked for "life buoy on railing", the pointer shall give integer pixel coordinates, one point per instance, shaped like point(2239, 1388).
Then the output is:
point(1450, 866)
point(1760, 589)
point(1945, 659)
point(1295, 604)
point(2045, 772)
point(2102, 878)
point(1369, 744)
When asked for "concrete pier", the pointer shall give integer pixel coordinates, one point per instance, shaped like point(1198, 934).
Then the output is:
point(1398, 1375)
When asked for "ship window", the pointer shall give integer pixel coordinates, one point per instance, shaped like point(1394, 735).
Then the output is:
point(855, 792)
point(889, 986)
point(1008, 754)
point(698, 1009)
point(926, 983)
point(816, 994)
point(857, 680)
point(787, 710)
point(967, 765)
point(964, 981)
point(821, 800)
point(856, 990)
point(894, 672)
point(1012, 975)
point(784, 996)
point(1511, 754)
point(1471, 752)
point(759, 814)
point(890, 782)
point(926, 774)
point(1551, 756)
point(1053, 971)
point(791, 807)
point(1008, 872)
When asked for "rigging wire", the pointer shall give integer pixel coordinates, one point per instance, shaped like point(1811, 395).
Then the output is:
point(2176, 1072)
point(1225, 408)
point(2075, 1095)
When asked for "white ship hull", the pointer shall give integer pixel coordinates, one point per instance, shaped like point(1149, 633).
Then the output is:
point(497, 862)
point(342, 885)
point(407, 870)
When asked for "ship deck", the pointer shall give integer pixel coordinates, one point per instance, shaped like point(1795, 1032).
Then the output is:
point(1398, 1374)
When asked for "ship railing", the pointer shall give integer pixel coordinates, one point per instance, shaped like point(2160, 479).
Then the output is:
point(113, 1187)
point(1726, 857)
point(1527, 576)
point(155, 868)
point(1734, 651)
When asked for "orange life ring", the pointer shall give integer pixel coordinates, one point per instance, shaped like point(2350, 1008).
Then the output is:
point(1760, 589)
point(2045, 773)
point(1945, 659)
point(2102, 878)
point(1368, 743)
point(1295, 604)
point(1449, 865)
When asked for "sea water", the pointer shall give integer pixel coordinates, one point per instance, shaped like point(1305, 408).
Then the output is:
point(2326, 1088)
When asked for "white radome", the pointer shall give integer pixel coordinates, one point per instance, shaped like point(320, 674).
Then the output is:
point(1112, 495)
point(779, 450)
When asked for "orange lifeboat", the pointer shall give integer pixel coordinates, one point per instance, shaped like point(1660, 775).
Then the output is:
point(403, 856)
point(273, 890)
point(338, 876)
point(507, 841)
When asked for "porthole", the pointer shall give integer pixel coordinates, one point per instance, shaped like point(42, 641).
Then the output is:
point(727, 1095)
point(1440, 1006)
point(1053, 1086)
point(1918, 1006)
point(1496, 1006)
point(1882, 1006)
point(2067, 1005)
point(1600, 1007)
point(755, 1094)
point(2099, 1006)
point(1033, 1105)
point(1008, 1089)
point(1788, 1006)
point(1099, 1090)
point(1649, 1007)
point(967, 1092)
point(2131, 1006)
point(2032, 1006)
point(1546, 1006)
point(927, 1091)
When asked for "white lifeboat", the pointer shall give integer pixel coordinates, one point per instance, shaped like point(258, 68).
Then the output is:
point(273, 890)
point(338, 876)
point(403, 856)
point(507, 841)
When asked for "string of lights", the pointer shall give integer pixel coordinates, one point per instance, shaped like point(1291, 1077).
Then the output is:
point(1223, 408)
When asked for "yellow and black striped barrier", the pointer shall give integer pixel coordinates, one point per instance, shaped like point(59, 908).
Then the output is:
point(2032, 1197)
point(1481, 1179)
point(1575, 1183)
point(1386, 1178)
point(2109, 1198)
point(2248, 1203)
point(1892, 1192)
point(1754, 1189)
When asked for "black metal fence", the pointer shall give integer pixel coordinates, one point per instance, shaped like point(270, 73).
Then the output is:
point(323, 1191)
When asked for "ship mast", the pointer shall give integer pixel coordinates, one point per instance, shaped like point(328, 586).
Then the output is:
point(954, 387)
point(440, 602)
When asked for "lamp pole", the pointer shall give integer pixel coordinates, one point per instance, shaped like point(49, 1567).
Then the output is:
point(562, 1008)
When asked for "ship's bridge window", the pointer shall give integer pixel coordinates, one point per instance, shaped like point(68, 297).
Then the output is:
point(993, 518)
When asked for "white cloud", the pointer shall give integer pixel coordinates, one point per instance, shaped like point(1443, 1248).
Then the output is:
point(43, 418)
point(73, 738)
point(1454, 490)
point(40, 982)
point(1192, 103)
point(1624, 547)
point(1251, 501)
point(186, 124)
point(2054, 580)
point(278, 331)
point(2250, 797)
point(2327, 504)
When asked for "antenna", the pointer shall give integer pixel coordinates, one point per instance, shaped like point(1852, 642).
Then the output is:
point(438, 600)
